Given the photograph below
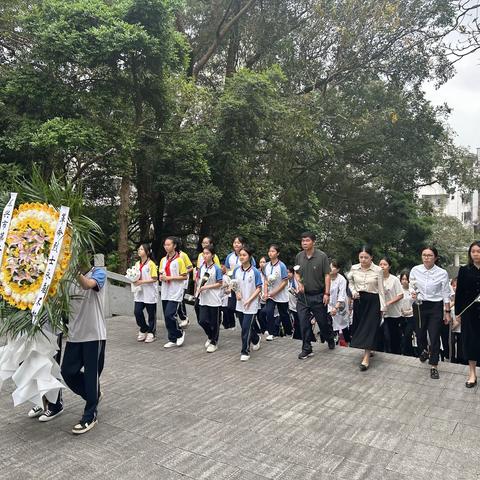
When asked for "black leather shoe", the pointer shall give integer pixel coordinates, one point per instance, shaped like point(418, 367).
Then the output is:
point(471, 384)
point(434, 373)
point(331, 344)
point(304, 355)
point(423, 357)
point(363, 367)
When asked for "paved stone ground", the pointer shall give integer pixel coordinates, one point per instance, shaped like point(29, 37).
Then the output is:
point(183, 413)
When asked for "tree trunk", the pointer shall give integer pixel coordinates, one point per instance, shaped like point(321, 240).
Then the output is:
point(123, 215)
point(233, 45)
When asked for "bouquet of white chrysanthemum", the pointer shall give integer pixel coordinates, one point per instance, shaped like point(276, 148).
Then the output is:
point(272, 278)
point(133, 274)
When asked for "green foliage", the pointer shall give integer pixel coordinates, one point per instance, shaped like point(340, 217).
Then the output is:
point(307, 115)
point(450, 236)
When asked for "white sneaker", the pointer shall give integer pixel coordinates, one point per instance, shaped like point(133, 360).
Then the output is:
point(269, 338)
point(35, 412)
point(244, 358)
point(184, 323)
point(211, 348)
point(257, 346)
point(170, 345)
point(180, 340)
point(141, 337)
point(207, 343)
point(150, 338)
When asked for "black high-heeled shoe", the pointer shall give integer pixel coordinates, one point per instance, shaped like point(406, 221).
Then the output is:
point(471, 384)
point(363, 367)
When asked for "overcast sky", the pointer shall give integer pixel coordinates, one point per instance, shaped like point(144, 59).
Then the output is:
point(462, 94)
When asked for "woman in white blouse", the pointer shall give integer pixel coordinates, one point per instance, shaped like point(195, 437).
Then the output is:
point(406, 305)
point(366, 285)
point(431, 288)
point(393, 315)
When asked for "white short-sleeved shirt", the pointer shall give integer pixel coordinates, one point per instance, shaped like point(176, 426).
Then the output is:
point(232, 261)
point(148, 292)
point(280, 273)
point(393, 288)
point(224, 295)
point(213, 296)
point(338, 293)
point(248, 281)
point(87, 317)
point(173, 289)
point(406, 303)
point(292, 299)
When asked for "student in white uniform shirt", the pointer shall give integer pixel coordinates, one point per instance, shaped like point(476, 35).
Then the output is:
point(432, 288)
point(338, 304)
point(146, 296)
point(172, 275)
point(276, 289)
point(209, 292)
point(232, 261)
point(249, 286)
point(393, 326)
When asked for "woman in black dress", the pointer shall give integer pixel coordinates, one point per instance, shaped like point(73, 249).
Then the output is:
point(366, 285)
point(468, 291)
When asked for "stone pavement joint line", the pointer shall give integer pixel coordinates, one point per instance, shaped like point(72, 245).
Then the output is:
point(186, 414)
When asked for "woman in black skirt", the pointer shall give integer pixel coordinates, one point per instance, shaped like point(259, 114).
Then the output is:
point(468, 291)
point(366, 285)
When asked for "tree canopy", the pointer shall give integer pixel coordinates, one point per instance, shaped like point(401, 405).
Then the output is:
point(227, 117)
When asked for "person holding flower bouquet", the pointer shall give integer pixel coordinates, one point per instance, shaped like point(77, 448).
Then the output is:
point(232, 261)
point(85, 348)
point(209, 293)
point(146, 295)
point(431, 292)
point(173, 273)
point(247, 285)
point(467, 308)
point(276, 276)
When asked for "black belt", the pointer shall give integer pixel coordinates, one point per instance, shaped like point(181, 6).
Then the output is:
point(314, 292)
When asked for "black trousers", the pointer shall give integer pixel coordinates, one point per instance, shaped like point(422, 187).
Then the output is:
point(249, 332)
point(55, 407)
point(296, 334)
point(457, 353)
point(169, 311)
point(89, 356)
point(229, 316)
point(182, 310)
point(273, 326)
point(313, 304)
point(262, 319)
point(445, 336)
point(393, 334)
point(210, 322)
point(429, 316)
point(407, 341)
point(140, 317)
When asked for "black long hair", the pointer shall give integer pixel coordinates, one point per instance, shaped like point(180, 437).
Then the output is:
point(476, 243)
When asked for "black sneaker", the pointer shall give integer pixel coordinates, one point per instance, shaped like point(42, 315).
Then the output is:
point(84, 427)
point(423, 357)
point(50, 414)
point(434, 373)
point(304, 355)
point(331, 344)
